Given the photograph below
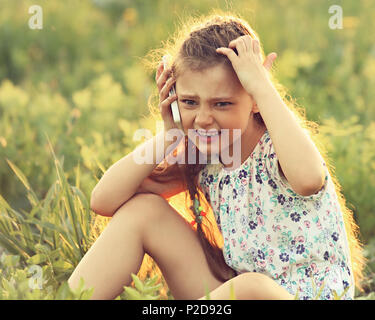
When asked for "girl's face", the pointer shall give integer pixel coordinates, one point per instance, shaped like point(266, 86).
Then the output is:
point(215, 99)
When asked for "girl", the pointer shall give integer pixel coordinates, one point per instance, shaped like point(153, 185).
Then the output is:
point(287, 232)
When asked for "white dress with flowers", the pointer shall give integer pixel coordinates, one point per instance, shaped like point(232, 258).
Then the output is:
point(299, 241)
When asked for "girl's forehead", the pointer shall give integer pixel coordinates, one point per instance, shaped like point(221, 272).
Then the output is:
point(219, 77)
point(218, 69)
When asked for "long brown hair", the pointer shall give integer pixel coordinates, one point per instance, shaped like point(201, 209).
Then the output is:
point(194, 48)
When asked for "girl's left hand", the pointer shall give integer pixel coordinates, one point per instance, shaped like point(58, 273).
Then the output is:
point(248, 66)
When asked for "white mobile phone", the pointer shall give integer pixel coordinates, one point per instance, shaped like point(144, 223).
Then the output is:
point(174, 105)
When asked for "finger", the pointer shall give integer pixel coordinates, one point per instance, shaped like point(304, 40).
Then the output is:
point(239, 45)
point(164, 93)
point(159, 71)
point(163, 107)
point(163, 78)
point(247, 40)
point(256, 47)
point(227, 52)
point(269, 60)
point(246, 48)
point(256, 50)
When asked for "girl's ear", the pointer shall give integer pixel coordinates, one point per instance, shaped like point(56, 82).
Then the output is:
point(255, 108)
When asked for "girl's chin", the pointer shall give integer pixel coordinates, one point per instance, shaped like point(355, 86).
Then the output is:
point(209, 149)
point(210, 146)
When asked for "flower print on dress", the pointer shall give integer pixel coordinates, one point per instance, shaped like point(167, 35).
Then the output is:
point(228, 257)
point(221, 185)
point(243, 245)
point(237, 210)
point(300, 249)
point(260, 221)
point(307, 224)
point(295, 216)
point(261, 255)
point(218, 221)
point(252, 225)
point(281, 199)
point(209, 179)
point(345, 283)
point(284, 257)
point(227, 179)
point(259, 165)
point(284, 239)
point(258, 178)
point(335, 236)
point(272, 184)
point(317, 204)
point(301, 234)
point(288, 204)
point(308, 272)
point(244, 220)
point(242, 174)
point(248, 259)
point(241, 191)
point(332, 259)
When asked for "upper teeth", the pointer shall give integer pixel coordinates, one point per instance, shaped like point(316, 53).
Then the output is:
point(204, 133)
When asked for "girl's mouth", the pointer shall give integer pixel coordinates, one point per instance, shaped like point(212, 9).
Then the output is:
point(207, 137)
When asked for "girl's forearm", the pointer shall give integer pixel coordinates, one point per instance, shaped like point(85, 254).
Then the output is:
point(299, 158)
point(121, 181)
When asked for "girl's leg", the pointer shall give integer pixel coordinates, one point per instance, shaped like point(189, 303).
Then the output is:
point(250, 286)
point(146, 223)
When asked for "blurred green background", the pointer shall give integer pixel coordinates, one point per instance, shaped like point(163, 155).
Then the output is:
point(80, 82)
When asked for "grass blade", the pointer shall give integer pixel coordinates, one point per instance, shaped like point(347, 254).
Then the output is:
point(67, 199)
point(33, 198)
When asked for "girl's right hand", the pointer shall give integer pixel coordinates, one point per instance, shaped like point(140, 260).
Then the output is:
point(164, 82)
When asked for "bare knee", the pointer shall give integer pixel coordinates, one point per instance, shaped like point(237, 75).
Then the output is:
point(143, 209)
point(253, 279)
point(255, 285)
point(246, 284)
point(140, 204)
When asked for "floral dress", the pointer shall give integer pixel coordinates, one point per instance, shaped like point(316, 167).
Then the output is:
point(299, 241)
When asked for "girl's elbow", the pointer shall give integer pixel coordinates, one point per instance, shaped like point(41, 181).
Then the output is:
point(95, 207)
point(310, 186)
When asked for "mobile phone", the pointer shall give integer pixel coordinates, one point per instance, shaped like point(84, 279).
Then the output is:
point(174, 105)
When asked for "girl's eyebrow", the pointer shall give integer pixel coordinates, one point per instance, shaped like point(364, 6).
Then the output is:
point(190, 96)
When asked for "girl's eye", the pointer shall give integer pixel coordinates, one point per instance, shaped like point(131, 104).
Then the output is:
point(221, 104)
point(187, 101)
point(224, 103)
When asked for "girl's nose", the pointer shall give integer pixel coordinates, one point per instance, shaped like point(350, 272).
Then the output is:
point(204, 118)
